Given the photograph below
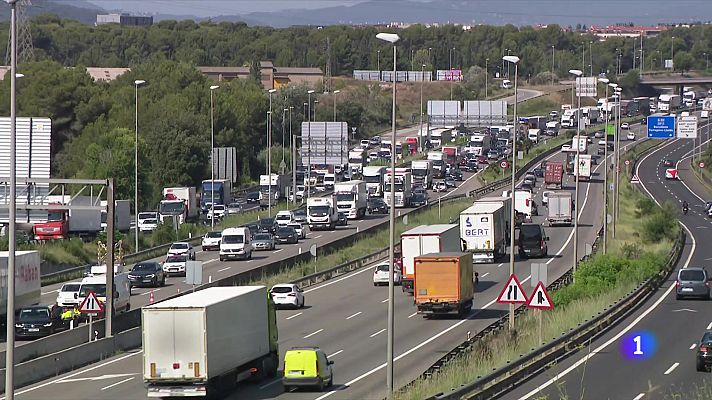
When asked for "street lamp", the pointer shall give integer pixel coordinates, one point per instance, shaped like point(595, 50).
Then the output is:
point(672, 52)
point(378, 64)
point(616, 210)
point(590, 55)
point(486, 73)
point(341, 135)
point(513, 60)
point(391, 38)
point(605, 81)
point(577, 73)
point(137, 83)
point(452, 80)
point(284, 117)
point(293, 147)
point(212, 158)
point(420, 133)
point(309, 93)
point(269, 154)
point(552, 65)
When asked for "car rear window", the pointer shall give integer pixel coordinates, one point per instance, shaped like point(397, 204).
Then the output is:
point(382, 267)
point(213, 234)
point(707, 337)
point(70, 287)
point(174, 259)
point(281, 289)
point(529, 232)
point(692, 275)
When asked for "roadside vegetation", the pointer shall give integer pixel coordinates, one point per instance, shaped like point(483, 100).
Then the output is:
point(645, 235)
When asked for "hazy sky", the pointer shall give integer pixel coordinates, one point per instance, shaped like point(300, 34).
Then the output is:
point(207, 8)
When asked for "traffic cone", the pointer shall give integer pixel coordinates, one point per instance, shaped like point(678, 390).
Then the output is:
point(150, 298)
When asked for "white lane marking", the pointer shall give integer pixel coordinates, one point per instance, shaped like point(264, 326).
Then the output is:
point(117, 383)
point(51, 291)
point(709, 326)
point(224, 269)
point(76, 373)
point(384, 301)
point(249, 261)
point(95, 378)
point(317, 237)
point(500, 264)
point(353, 315)
point(638, 397)
point(333, 354)
point(313, 333)
point(268, 384)
point(672, 368)
point(209, 261)
point(331, 282)
point(294, 316)
point(693, 345)
point(413, 315)
point(379, 332)
point(625, 330)
point(485, 274)
point(150, 291)
point(277, 251)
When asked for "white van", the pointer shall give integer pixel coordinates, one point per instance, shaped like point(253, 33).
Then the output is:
point(284, 218)
point(533, 135)
point(236, 243)
point(506, 84)
point(97, 284)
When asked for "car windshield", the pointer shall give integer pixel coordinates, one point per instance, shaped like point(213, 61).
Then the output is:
point(144, 267)
point(99, 289)
point(282, 289)
point(300, 213)
point(150, 221)
point(253, 195)
point(179, 246)
point(233, 239)
point(29, 314)
point(263, 236)
point(707, 337)
point(171, 207)
point(345, 196)
point(176, 259)
point(319, 211)
point(219, 207)
point(692, 275)
point(377, 202)
point(213, 234)
point(70, 287)
point(296, 227)
point(420, 172)
point(529, 232)
point(146, 215)
point(283, 217)
point(382, 267)
point(285, 231)
point(267, 222)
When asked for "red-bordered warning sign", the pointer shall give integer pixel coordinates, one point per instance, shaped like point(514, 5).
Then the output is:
point(540, 299)
point(91, 304)
point(512, 292)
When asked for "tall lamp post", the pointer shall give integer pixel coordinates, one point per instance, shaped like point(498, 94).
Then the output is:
point(284, 128)
point(137, 83)
point(614, 86)
point(420, 133)
point(341, 135)
point(513, 60)
point(552, 64)
point(309, 93)
point(486, 73)
point(616, 212)
point(293, 146)
point(391, 38)
point(577, 73)
point(269, 154)
point(452, 80)
point(212, 156)
point(605, 81)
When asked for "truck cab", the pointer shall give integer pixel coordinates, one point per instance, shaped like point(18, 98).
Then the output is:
point(322, 213)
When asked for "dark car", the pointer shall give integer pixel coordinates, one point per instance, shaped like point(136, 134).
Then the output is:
point(375, 141)
point(341, 221)
point(449, 182)
point(704, 353)
point(38, 321)
point(253, 197)
point(267, 225)
point(254, 228)
point(532, 241)
point(668, 163)
point(456, 174)
point(300, 215)
point(376, 205)
point(286, 234)
point(147, 273)
point(692, 282)
point(539, 171)
point(418, 200)
point(420, 190)
point(471, 165)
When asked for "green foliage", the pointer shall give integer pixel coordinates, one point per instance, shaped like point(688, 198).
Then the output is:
point(683, 61)
point(631, 81)
point(164, 233)
point(644, 206)
point(660, 224)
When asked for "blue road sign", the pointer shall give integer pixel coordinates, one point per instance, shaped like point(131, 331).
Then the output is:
point(661, 127)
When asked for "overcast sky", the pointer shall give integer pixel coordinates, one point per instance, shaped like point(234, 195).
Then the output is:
point(207, 8)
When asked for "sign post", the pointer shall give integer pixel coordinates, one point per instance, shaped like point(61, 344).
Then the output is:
point(91, 306)
point(539, 276)
point(194, 273)
point(503, 164)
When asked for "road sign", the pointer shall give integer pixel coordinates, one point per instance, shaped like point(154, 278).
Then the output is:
point(627, 162)
point(194, 272)
point(707, 104)
point(504, 164)
point(586, 86)
point(91, 304)
point(702, 165)
point(540, 299)
point(538, 274)
point(635, 179)
point(687, 127)
point(661, 127)
point(512, 292)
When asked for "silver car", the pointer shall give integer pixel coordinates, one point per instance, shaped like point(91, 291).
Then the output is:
point(263, 241)
point(692, 282)
point(300, 228)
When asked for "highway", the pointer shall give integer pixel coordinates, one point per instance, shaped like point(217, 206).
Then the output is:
point(677, 325)
point(347, 317)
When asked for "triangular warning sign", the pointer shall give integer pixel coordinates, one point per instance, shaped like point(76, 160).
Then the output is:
point(540, 298)
point(512, 292)
point(635, 179)
point(91, 304)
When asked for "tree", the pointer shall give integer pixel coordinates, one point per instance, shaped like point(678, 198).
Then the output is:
point(683, 61)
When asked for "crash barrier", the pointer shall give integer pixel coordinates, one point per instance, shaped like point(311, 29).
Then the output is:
point(43, 367)
point(507, 377)
point(132, 319)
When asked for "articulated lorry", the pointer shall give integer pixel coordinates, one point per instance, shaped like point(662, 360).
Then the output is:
point(438, 159)
point(276, 186)
point(374, 177)
point(584, 167)
point(669, 102)
point(444, 284)
point(219, 191)
point(553, 174)
point(27, 279)
point(403, 187)
point(351, 198)
point(61, 224)
point(560, 206)
point(202, 344)
point(425, 239)
point(484, 228)
point(322, 213)
point(178, 203)
point(422, 173)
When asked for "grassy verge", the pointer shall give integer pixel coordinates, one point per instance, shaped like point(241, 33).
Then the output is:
point(702, 391)
point(370, 244)
point(649, 232)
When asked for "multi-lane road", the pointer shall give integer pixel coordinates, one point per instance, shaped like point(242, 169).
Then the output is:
point(347, 318)
point(603, 371)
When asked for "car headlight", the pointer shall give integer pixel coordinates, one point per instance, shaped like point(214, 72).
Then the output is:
point(18, 325)
point(47, 325)
point(150, 275)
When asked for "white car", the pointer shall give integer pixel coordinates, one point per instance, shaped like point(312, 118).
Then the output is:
point(218, 210)
point(625, 125)
point(380, 275)
point(545, 197)
point(182, 248)
point(287, 294)
point(66, 295)
point(175, 264)
point(630, 136)
point(211, 240)
point(284, 218)
point(300, 229)
point(440, 187)
point(566, 147)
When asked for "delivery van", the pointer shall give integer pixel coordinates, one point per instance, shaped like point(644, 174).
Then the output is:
point(236, 243)
point(307, 367)
point(97, 284)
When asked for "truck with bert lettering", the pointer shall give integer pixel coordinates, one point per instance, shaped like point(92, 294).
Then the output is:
point(484, 228)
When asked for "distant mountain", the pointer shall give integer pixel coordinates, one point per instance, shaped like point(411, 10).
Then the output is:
point(79, 10)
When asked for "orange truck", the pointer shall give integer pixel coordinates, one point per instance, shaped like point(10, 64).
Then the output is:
point(444, 284)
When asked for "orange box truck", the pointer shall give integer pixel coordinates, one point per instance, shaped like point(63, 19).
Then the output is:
point(444, 283)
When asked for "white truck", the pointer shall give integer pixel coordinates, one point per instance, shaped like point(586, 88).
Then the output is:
point(438, 159)
point(403, 187)
point(592, 114)
point(560, 208)
point(351, 198)
point(425, 239)
point(480, 144)
point(322, 213)
point(484, 228)
point(669, 102)
point(374, 178)
point(201, 344)
point(570, 117)
point(582, 141)
point(422, 173)
point(274, 185)
point(439, 137)
point(584, 167)
point(179, 203)
point(357, 160)
point(523, 203)
point(122, 215)
point(552, 128)
point(27, 279)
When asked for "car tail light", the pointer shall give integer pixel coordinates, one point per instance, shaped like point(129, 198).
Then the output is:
point(176, 365)
point(677, 283)
point(292, 295)
point(542, 243)
point(704, 348)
